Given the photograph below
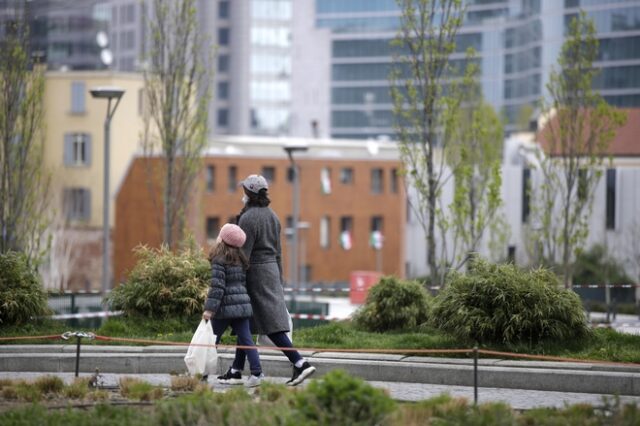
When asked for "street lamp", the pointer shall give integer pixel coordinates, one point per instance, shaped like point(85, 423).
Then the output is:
point(110, 93)
point(290, 149)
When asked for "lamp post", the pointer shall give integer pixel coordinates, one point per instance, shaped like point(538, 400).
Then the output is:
point(290, 150)
point(109, 93)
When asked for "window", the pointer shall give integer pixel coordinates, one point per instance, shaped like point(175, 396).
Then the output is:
point(269, 173)
point(290, 174)
point(77, 149)
point(223, 10)
point(212, 227)
point(377, 181)
point(233, 178)
point(346, 175)
point(78, 90)
point(376, 223)
point(511, 254)
point(611, 199)
point(223, 117)
point(346, 232)
point(306, 273)
point(394, 181)
point(325, 232)
point(223, 36)
point(76, 203)
point(346, 223)
point(526, 193)
point(325, 180)
point(211, 178)
point(223, 90)
point(223, 63)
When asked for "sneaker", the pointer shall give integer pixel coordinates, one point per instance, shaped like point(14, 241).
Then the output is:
point(299, 374)
point(254, 381)
point(230, 378)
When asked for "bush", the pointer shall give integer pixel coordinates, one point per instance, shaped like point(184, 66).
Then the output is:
point(164, 284)
point(339, 399)
point(393, 304)
point(502, 304)
point(22, 296)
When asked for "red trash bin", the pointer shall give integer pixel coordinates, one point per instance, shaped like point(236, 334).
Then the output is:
point(361, 282)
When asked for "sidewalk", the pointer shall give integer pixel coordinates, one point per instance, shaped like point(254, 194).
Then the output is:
point(492, 373)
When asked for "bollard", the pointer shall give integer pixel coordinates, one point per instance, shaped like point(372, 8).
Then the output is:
point(475, 375)
point(78, 335)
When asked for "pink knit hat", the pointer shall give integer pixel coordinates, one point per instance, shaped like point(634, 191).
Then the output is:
point(232, 235)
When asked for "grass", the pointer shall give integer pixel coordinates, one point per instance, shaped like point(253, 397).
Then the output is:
point(133, 388)
point(604, 345)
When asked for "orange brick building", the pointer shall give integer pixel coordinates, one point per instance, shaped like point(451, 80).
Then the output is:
point(344, 186)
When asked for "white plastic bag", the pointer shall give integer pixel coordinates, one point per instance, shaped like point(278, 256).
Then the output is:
point(263, 339)
point(202, 356)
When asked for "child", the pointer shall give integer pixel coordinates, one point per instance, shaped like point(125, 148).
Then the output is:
point(228, 303)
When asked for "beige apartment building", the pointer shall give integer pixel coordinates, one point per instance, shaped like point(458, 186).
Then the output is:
point(74, 157)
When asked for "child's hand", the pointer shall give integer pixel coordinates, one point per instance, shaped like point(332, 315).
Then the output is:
point(207, 315)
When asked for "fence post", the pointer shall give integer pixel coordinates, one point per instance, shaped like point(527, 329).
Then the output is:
point(475, 375)
point(78, 335)
point(78, 355)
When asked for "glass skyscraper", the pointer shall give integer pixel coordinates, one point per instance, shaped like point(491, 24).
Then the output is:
point(517, 43)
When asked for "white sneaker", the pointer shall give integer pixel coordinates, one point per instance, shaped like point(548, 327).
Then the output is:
point(254, 381)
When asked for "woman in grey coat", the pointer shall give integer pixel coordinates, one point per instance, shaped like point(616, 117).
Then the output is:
point(264, 276)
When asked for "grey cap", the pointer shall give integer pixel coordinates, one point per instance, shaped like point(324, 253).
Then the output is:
point(255, 183)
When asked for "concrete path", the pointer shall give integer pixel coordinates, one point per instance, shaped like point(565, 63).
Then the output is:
point(417, 377)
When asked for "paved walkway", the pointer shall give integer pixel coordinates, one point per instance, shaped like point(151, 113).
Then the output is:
point(516, 398)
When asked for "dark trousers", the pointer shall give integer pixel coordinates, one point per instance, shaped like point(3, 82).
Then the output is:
point(279, 339)
point(240, 326)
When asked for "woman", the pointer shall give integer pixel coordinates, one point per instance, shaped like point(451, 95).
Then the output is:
point(264, 276)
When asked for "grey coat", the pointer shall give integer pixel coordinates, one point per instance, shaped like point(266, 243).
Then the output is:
point(228, 298)
point(264, 277)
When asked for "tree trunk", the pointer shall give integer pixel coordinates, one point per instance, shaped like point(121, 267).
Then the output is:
point(168, 202)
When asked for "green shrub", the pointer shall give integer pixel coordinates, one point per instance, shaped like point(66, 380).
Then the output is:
point(393, 304)
point(502, 304)
point(339, 399)
point(164, 284)
point(22, 296)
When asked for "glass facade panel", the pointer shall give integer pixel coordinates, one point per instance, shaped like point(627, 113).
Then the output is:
point(529, 85)
point(618, 78)
point(264, 36)
point(523, 60)
point(623, 101)
point(274, 91)
point(334, 6)
point(270, 120)
point(612, 49)
point(379, 118)
point(279, 65)
point(359, 95)
point(623, 19)
point(354, 25)
point(271, 9)
point(519, 36)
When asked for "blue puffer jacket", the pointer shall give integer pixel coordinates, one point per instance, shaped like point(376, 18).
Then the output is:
point(228, 298)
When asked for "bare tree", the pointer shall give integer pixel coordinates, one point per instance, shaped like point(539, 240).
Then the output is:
point(23, 182)
point(426, 41)
point(177, 92)
point(577, 137)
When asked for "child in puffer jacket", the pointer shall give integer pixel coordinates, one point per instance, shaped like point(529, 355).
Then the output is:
point(228, 303)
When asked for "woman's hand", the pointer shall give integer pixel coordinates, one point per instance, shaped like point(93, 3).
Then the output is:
point(207, 315)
